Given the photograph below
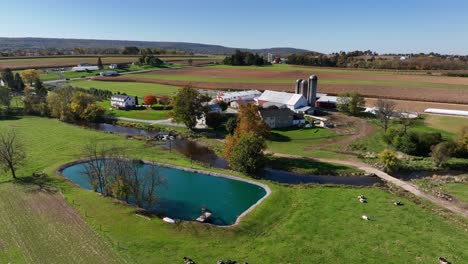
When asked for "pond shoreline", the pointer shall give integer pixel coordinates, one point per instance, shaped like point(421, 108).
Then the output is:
point(267, 189)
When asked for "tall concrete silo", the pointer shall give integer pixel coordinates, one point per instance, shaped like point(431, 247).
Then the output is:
point(298, 86)
point(304, 88)
point(312, 95)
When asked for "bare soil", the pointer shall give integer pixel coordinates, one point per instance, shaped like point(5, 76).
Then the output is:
point(425, 93)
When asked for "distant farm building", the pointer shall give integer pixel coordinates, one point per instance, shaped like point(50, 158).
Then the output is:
point(327, 101)
point(118, 66)
point(281, 117)
point(239, 96)
point(108, 73)
point(291, 101)
point(123, 101)
point(85, 67)
point(446, 112)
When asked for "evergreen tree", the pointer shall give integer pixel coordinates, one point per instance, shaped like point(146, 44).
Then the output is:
point(41, 91)
point(8, 78)
point(99, 63)
point(19, 84)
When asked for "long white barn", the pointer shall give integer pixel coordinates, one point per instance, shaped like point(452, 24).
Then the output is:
point(295, 102)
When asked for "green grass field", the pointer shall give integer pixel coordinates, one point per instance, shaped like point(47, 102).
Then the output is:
point(301, 142)
point(131, 88)
point(459, 190)
point(294, 225)
point(450, 124)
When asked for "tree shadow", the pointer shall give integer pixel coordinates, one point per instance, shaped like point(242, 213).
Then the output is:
point(277, 137)
point(42, 182)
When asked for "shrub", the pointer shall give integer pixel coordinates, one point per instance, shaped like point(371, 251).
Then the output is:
point(161, 107)
point(405, 144)
point(391, 133)
point(442, 152)
point(213, 120)
point(389, 160)
point(150, 100)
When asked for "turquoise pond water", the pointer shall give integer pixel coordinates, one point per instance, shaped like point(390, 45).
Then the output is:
point(185, 193)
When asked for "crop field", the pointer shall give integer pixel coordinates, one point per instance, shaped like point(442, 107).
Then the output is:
point(319, 222)
point(39, 227)
point(386, 84)
point(51, 62)
point(131, 88)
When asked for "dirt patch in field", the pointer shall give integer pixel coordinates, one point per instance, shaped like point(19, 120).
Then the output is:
point(351, 128)
point(298, 74)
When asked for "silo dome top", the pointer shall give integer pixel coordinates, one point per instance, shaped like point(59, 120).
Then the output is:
point(314, 77)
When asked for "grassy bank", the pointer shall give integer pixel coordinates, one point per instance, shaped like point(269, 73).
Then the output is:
point(294, 225)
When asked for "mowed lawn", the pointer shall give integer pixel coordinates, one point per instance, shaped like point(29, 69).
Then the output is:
point(293, 225)
point(131, 88)
point(301, 142)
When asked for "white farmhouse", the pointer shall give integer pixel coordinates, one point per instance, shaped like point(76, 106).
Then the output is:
point(122, 101)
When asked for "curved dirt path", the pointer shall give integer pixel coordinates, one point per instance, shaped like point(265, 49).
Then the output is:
point(402, 184)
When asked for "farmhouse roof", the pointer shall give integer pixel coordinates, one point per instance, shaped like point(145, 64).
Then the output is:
point(280, 97)
point(274, 112)
point(119, 96)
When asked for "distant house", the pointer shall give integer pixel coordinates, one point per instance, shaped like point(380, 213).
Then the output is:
point(279, 99)
point(108, 73)
point(281, 117)
point(123, 101)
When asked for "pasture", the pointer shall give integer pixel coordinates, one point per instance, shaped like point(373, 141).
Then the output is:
point(387, 84)
point(293, 224)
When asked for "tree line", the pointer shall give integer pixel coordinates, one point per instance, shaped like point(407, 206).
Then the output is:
point(240, 58)
point(369, 60)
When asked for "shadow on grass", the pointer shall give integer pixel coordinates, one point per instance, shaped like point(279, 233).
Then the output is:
point(308, 166)
point(42, 181)
point(278, 137)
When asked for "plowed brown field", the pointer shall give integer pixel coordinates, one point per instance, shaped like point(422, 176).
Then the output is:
point(371, 84)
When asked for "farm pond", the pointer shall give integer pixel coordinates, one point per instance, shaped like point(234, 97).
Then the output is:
point(184, 193)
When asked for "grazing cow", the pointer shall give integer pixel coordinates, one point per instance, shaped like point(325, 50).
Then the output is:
point(443, 260)
point(365, 217)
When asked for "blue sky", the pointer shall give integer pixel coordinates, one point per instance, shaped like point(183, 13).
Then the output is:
point(326, 25)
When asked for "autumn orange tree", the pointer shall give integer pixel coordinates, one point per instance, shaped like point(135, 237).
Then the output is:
point(29, 76)
point(249, 123)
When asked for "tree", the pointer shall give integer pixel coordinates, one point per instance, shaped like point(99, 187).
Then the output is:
point(385, 110)
point(462, 143)
point(29, 76)
point(231, 125)
point(389, 160)
point(39, 88)
point(350, 102)
point(247, 155)
point(131, 50)
point(12, 152)
point(213, 120)
point(190, 62)
point(405, 120)
point(5, 96)
point(150, 99)
point(19, 84)
point(8, 78)
point(188, 106)
point(99, 63)
point(441, 153)
point(249, 120)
